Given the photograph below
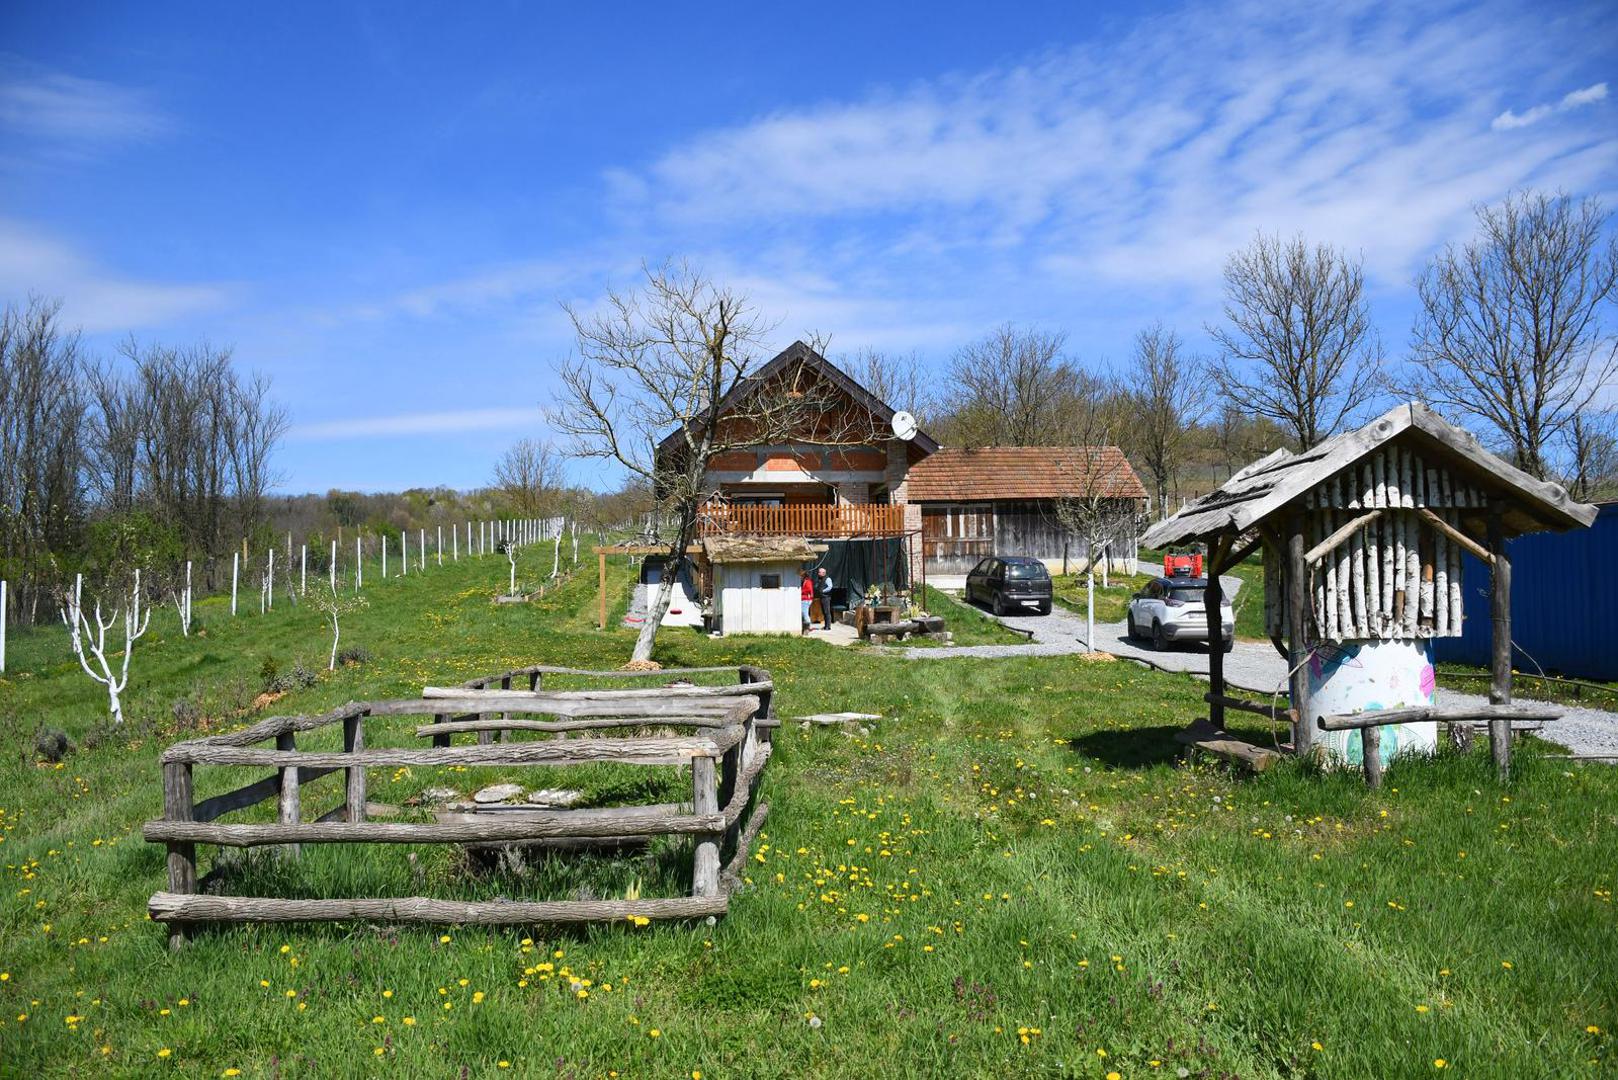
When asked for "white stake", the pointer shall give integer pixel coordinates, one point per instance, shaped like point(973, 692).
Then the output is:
point(454, 543)
point(421, 550)
point(333, 567)
point(359, 566)
point(269, 581)
point(384, 556)
point(2, 626)
point(441, 545)
point(303, 569)
point(235, 572)
point(404, 553)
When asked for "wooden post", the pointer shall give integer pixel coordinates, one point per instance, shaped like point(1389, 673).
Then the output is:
point(354, 740)
point(601, 590)
point(1371, 750)
point(1303, 735)
point(1500, 652)
point(178, 805)
point(1212, 598)
point(705, 800)
point(441, 740)
point(290, 808)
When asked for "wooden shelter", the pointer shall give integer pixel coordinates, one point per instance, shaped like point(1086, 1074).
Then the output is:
point(755, 582)
point(1362, 536)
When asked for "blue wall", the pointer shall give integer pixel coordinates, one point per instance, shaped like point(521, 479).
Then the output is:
point(1564, 603)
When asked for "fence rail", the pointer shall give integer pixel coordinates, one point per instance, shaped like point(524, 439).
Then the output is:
point(726, 755)
point(823, 522)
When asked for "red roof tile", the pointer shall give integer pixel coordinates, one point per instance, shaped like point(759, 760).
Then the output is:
point(1022, 472)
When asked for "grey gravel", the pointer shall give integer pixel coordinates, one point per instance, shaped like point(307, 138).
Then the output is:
point(1254, 667)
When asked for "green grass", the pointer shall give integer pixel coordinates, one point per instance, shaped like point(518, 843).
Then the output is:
point(1013, 850)
point(968, 624)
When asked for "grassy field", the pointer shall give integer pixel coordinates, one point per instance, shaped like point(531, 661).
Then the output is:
point(1010, 877)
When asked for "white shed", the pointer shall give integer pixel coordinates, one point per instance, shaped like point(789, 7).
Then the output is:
point(756, 582)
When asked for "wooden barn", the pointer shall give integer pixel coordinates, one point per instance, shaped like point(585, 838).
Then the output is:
point(1003, 500)
point(1362, 539)
point(756, 582)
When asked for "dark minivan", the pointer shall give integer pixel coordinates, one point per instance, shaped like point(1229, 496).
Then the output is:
point(1010, 583)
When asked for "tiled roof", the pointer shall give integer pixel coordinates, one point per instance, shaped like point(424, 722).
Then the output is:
point(1022, 472)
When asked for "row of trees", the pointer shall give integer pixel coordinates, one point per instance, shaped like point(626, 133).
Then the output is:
point(1512, 337)
point(162, 456)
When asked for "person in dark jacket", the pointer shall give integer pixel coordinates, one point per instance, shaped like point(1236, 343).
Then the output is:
point(823, 586)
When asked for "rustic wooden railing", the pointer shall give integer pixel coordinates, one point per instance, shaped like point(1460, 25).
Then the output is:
point(824, 522)
point(726, 751)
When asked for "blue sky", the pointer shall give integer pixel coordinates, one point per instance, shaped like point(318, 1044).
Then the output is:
point(383, 208)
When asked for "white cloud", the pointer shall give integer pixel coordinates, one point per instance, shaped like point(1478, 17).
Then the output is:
point(92, 296)
point(1508, 120)
point(1143, 159)
point(422, 423)
point(56, 106)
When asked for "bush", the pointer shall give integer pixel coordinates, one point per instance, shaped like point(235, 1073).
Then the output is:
point(187, 712)
point(268, 674)
point(52, 745)
point(354, 654)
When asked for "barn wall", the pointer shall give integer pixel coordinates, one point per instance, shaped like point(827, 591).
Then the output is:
point(747, 608)
point(957, 535)
point(1563, 617)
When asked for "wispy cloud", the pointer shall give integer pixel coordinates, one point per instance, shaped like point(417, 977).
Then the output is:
point(420, 423)
point(93, 296)
point(1123, 162)
point(1590, 95)
point(55, 106)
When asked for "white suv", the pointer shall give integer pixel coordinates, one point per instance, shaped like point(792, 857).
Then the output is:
point(1173, 609)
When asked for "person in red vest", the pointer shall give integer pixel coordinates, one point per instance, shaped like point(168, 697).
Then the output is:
point(806, 590)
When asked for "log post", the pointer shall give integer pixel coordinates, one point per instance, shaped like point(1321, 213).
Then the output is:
point(1371, 750)
point(440, 740)
point(1212, 598)
point(705, 800)
point(1500, 651)
point(290, 808)
point(178, 805)
point(1303, 735)
point(353, 741)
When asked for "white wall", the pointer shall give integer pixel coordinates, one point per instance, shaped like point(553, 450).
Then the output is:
point(745, 608)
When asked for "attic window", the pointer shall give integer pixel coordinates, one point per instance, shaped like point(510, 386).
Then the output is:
point(769, 581)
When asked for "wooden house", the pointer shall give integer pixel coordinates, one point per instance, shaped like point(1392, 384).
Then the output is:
point(1004, 500)
point(756, 582)
point(1362, 538)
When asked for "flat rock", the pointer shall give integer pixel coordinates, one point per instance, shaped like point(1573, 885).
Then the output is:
point(438, 794)
point(497, 793)
point(381, 810)
point(830, 719)
point(555, 797)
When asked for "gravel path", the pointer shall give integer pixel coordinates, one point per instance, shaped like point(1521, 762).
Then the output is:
point(1251, 666)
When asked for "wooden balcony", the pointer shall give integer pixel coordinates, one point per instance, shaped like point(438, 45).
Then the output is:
point(812, 522)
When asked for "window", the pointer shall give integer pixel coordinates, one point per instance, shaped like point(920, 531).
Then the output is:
point(1026, 571)
point(769, 581)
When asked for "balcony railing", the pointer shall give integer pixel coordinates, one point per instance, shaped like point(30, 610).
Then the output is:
point(823, 522)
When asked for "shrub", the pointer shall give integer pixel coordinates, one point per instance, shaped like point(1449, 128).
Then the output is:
point(354, 654)
point(268, 673)
point(52, 745)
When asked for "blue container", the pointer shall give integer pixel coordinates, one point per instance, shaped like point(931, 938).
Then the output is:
point(1564, 603)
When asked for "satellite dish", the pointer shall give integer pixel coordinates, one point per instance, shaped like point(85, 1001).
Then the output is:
point(904, 426)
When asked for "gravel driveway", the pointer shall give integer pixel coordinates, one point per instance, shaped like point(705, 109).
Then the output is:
point(1251, 666)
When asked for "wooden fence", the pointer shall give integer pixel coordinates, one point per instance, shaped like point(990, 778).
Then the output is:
point(825, 522)
point(726, 749)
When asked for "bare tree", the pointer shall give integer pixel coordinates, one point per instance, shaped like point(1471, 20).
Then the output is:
point(898, 381)
point(1100, 509)
point(87, 635)
point(334, 606)
point(1167, 396)
point(1014, 387)
point(1511, 331)
point(42, 413)
point(1592, 472)
point(529, 475)
point(1298, 346)
point(674, 364)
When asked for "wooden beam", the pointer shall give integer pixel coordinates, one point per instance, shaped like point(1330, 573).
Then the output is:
point(1335, 540)
point(666, 751)
point(1201, 737)
point(1303, 736)
point(459, 726)
point(1371, 755)
point(1466, 542)
point(553, 823)
point(251, 794)
point(178, 909)
point(1443, 714)
point(1500, 645)
point(1243, 705)
point(1212, 594)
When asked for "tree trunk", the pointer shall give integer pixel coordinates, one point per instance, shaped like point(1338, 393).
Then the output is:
point(657, 601)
